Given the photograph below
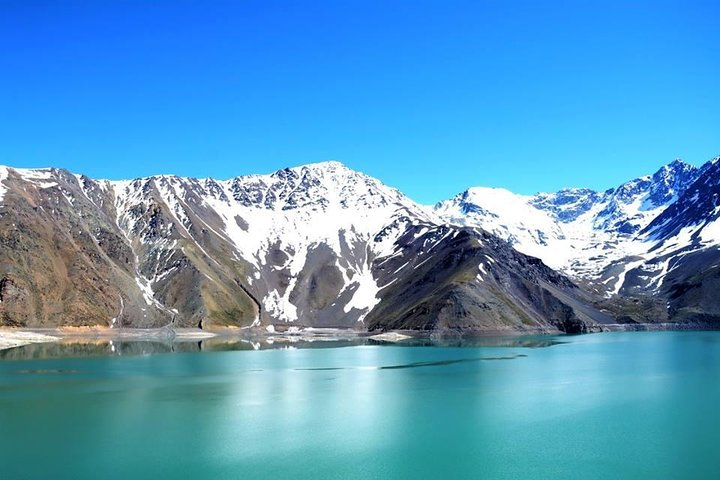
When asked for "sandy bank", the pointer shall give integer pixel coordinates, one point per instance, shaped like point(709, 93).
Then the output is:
point(17, 338)
point(390, 337)
point(129, 333)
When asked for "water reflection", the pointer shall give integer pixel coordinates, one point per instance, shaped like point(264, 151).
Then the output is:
point(534, 341)
point(439, 363)
point(557, 414)
point(76, 347)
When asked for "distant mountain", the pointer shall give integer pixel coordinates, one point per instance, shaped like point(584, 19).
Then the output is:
point(654, 236)
point(313, 246)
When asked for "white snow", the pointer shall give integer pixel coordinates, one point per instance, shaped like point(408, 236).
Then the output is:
point(146, 290)
point(359, 219)
point(41, 177)
point(3, 177)
point(294, 210)
point(711, 233)
point(621, 277)
point(365, 296)
point(280, 307)
point(450, 231)
point(81, 184)
point(511, 217)
point(583, 246)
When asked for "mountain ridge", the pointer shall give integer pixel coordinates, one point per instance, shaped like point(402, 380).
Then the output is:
point(306, 246)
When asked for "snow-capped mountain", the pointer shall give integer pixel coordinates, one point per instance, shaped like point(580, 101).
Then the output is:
point(623, 240)
point(325, 246)
point(313, 246)
point(280, 228)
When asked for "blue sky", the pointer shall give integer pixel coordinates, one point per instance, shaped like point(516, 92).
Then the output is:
point(430, 97)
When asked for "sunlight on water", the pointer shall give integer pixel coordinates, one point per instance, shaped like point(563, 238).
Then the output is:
point(622, 405)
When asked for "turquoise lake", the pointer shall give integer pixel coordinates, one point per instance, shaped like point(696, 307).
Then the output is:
point(604, 406)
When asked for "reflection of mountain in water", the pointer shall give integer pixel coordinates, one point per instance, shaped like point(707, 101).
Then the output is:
point(94, 347)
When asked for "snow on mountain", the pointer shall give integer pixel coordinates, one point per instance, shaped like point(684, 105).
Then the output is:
point(305, 205)
point(697, 207)
point(291, 214)
point(511, 217)
point(533, 225)
point(323, 245)
point(595, 236)
point(632, 206)
point(3, 176)
point(567, 204)
point(690, 224)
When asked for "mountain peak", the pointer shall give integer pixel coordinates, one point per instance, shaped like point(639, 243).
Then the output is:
point(315, 186)
point(326, 171)
point(327, 166)
point(671, 181)
point(677, 165)
point(677, 162)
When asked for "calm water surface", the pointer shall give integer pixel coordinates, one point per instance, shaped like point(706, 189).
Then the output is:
point(606, 406)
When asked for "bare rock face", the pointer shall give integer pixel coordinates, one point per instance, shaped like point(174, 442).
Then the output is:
point(463, 279)
point(62, 259)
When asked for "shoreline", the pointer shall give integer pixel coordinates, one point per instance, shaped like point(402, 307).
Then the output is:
point(12, 337)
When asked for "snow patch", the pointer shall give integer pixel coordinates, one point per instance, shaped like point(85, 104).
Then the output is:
point(280, 306)
point(3, 177)
point(621, 277)
point(365, 296)
point(41, 177)
point(711, 233)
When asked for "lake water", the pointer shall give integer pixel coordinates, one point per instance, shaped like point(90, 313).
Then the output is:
point(604, 406)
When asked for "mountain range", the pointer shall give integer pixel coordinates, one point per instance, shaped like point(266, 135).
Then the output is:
point(325, 246)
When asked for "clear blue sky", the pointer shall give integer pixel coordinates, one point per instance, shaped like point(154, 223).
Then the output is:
point(430, 97)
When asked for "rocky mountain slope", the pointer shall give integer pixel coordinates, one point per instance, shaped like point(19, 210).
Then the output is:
point(308, 247)
point(654, 237)
point(326, 246)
